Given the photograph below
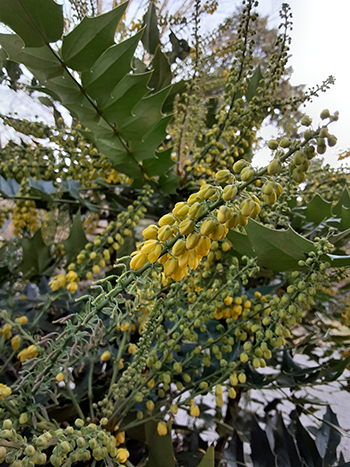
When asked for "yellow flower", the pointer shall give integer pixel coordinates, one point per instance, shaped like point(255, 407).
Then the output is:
point(194, 410)
point(72, 276)
point(22, 320)
point(122, 455)
point(16, 342)
point(29, 352)
point(120, 437)
point(60, 376)
point(105, 356)
point(162, 429)
point(72, 287)
point(5, 391)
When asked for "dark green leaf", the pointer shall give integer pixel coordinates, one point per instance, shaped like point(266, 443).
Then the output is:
point(285, 448)
point(328, 438)
point(161, 76)
point(84, 45)
point(318, 209)
point(177, 88)
point(254, 84)
point(262, 455)
point(9, 188)
point(39, 59)
point(306, 445)
point(146, 149)
point(71, 186)
point(159, 164)
point(110, 68)
point(37, 22)
point(150, 37)
point(160, 448)
point(36, 256)
point(42, 188)
point(345, 219)
point(208, 458)
point(233, 454)
point(279, 250)
point(240, 243)
point(338, 261)
point(344, 200)
point(76, 240)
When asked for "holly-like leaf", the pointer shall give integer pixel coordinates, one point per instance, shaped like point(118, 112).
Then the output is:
point(110, 68)
point(42, 188)
point(208, 458)
point(285, 445)
point(328, 438)
point(318, 210)
point(40, 59)
point(150, 37)
point(87, 41)
point(37, 22)
point(76, 240)
point(9, 188)
point(344, 200)
point(36, 256)
point(345, 219)
point(306, 445)
point(262, 455)
point(160, 448)
point(161, 76)
point(279, 250)
point(160, 164)
point(240, 243)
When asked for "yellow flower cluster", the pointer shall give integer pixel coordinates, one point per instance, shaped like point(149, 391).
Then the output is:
point(29, 352)
point(25, 216)
point(183, 237)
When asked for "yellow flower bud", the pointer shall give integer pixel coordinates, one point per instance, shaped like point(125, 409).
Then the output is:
point(207, 227)
point(168, 219)
point(138, 261)
point(180, 210)
point(150, 232)
point(162, 429)
point(187, 226)
point(192, 240)
point(22, 320)
point(105, 356)
point(60, 376)
point(194, 410)
point(229, 192)
point(170, 267)
point(164, 233)
point(196, 210)
point(122, 455)
point(16, 342)
point(247, 174)
point(179, 248)
point(203, 247)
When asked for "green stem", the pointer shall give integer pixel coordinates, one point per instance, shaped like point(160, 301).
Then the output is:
point(74, 401)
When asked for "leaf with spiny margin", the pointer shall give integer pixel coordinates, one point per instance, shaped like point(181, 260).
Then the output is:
point(345, 219)
point(344, 200)
point(254, 83)
point(34, 58)
point(160, 448)
point(318, 210)
point(279, 250)
point(36, 256)
point(177, 88)
point(150, 37)
point(76, 240)
point(208, 458)
point(37, 22)
point(146, 148)
point(147, 113)
point(42, 188)
point(110, 68)
point(338, 261)
point(262, 455)
point(169, 182)
point(240, 243)
point(9, 188)
point(128, 92)
point(87, 41)
point(328, 438)
point(161, 76)
point(161, 163)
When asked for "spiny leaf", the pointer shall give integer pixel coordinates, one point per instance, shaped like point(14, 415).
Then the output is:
point(306, 445)
point(328, 438)
point(279, 250)
point(285, 448)
point(76, 240)
point(84, 45)
point(208, 458)
point(37, 22)
point(254, 84)
point(34, 58)
point(9, 187)
point(150, 37)
point(161, 76)
point(318, 209)
point(261, 455)
point(36, 256)
point(344, 200)
point(110, 68)
point(160, 448)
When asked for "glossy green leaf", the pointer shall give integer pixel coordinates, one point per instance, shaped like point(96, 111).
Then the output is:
point(39, 59)
point(285, 445)
point(110, 68)
point(76, 240)
point(42, 188)
point(9, 188)
point(87, 41)
point(37, 22)
point(161, 76)
point(345, 219)
point(240, 243)
point(254, 84)
point(160, 164)
point(338, 261)
point(279, 250)
point(262, 455)
point(160, 448)
point(317, 210)
point(147, 113)
point(36, 256)
point(146, 149)
point(208, 458)
point(306, 445)
point(328, 438)
point(129, 91)
point(150, 37)
point(344, 200)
